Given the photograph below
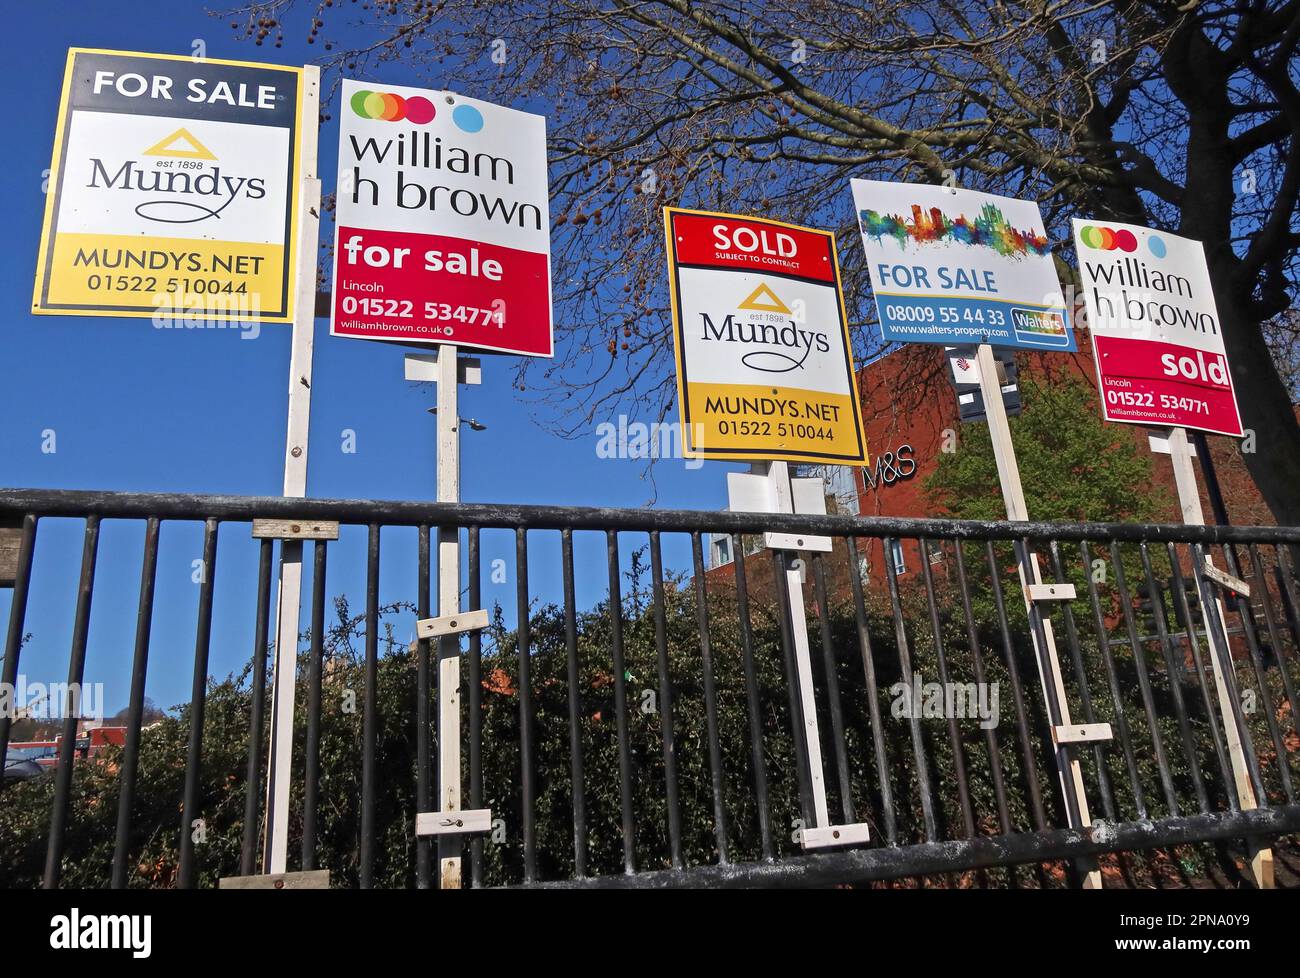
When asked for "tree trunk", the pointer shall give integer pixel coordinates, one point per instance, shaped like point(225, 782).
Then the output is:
point(1266, 409)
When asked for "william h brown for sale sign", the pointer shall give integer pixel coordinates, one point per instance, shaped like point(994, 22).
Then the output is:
point(443, 232)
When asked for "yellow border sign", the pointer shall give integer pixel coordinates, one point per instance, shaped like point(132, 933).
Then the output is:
point(173, 190)
point(764, 360)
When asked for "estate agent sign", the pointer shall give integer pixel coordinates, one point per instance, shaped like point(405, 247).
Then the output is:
point(172, 191)
point(444, 230)
point(764, 365)
point(1155, 329)
point(960, 267)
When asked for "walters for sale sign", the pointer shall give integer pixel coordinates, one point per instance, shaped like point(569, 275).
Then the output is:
point(443, 225)
point(957, 267)
point(764, 365)
point(173, 190)
point(1155, 330)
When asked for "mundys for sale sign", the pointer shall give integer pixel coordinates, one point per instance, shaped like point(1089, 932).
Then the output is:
point(172, 190)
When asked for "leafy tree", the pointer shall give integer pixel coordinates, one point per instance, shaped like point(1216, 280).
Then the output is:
point(1073, 466)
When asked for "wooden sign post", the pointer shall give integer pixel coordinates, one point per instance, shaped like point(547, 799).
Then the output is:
point(284, 672)
point(1036, 593)
point(1189, 501)
point(770, 489)
point(450, 821)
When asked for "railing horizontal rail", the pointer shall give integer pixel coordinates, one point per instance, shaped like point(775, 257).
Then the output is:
point(184, 506)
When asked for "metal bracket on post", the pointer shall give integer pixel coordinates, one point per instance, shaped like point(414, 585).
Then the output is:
point(295, 529)
point(768, 488)
point(466, 621)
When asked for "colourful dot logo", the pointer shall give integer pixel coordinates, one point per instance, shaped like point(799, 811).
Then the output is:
point(1108, 239)
point(388, 107)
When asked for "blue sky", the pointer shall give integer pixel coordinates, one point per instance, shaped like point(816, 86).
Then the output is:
point(136, 408)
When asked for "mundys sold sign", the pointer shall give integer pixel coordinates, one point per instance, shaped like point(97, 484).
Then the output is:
point(173, 189)
point(1155, 329)
point(958, 267)
point(443, 233)
point(764, 369)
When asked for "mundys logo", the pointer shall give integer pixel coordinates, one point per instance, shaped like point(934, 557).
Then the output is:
point(767, 330)
point(192, 195)
point(102, 932)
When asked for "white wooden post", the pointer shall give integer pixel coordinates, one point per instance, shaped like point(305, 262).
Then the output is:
point(768, 488)
point(284, 672)
point(1013, 495)
point(1189, 501)
point(449, 846)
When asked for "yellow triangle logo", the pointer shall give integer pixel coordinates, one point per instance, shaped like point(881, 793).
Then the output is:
point(180, 144)
point(763, 299)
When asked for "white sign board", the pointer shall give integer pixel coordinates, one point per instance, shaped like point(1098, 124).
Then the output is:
point(444, 231)
point(959, 267)
point(1155, 329)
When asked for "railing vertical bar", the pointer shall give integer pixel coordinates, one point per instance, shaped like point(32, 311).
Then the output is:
point(905, 669)
point(710, 699)
point(71, 706)
point(198, 701)
point(135, 708)
point(620, 702)
point(1275, 639)
point(1247, 616)
point(529, 799)
point(17, 623)
point(833, 691)
point(1290, 608)
point(941, 661)
point(788, 624)
point(1171, 671)
point(1017, 692)
point(576, 773)
point(315, 671)
point(1144, 681)
point(1081, 679)
point(872, 693)
point(666, 704)
point(977, 656)
point(752, 702)
point(475, 705)
point(1112, 680)
point(424, 845)
point(370, 710)
point(1183, 610)
point(257, 692)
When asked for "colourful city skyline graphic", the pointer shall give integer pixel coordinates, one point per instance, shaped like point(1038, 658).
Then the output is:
point(990, 229)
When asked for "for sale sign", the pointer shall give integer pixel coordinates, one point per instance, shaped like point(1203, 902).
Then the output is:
point(958, 267)
point(173, 190)
point(1155, 330)
point(764, 368)
point(443, 230)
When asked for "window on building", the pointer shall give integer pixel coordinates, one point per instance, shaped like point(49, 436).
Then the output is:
point(723, 545)
point(899, 558)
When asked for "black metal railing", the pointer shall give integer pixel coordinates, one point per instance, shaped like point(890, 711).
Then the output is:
point(632, 717)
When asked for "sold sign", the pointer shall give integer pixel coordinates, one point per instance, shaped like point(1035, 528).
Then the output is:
point(1155, 329)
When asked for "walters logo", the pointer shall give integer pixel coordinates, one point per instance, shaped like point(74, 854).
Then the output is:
point(769, 331)
point(193, 191)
